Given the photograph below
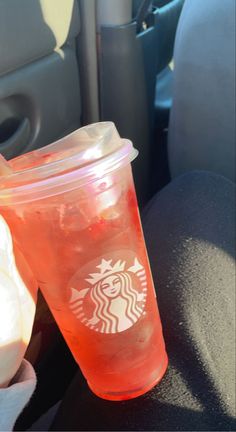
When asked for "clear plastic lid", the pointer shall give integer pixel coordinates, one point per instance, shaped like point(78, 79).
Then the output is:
point(85, 155)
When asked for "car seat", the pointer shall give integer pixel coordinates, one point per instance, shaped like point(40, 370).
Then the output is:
point(202, 120)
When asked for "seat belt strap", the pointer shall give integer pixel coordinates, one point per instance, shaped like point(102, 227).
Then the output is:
point(144, 10)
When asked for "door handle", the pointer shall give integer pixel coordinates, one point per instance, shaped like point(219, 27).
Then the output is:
point(14, 136)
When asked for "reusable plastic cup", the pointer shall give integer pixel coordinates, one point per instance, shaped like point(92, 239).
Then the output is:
point(72, 208)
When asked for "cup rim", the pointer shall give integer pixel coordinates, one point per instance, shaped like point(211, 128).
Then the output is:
point(67, 181)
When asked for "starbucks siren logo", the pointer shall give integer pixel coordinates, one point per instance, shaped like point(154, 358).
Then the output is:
point(115, 299)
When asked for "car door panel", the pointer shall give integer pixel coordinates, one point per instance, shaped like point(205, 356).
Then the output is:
point(46, 93)
point(39, 79)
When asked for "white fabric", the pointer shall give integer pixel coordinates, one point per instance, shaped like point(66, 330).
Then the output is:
point(14, 398)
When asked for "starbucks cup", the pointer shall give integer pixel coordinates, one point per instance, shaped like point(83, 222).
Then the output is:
point(72, 208)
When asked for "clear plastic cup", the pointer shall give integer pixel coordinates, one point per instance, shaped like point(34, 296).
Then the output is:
point(72, 209)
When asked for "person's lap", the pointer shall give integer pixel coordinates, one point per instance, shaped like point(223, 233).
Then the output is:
point(189, 230)
point(190, 235)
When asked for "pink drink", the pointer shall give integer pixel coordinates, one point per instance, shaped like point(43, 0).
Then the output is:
point(80, 230)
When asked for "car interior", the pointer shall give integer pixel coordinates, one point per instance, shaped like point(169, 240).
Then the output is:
point(167, 84)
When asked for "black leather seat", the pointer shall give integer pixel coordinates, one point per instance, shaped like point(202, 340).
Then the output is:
point(202, 121)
